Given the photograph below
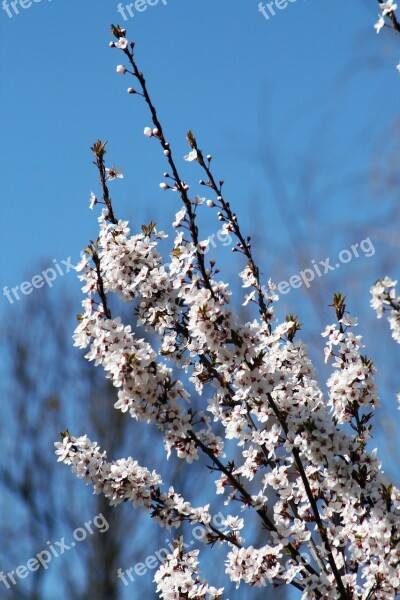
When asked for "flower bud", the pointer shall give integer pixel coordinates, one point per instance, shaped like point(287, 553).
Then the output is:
point(147, 132)
point(131, 91)
point(164, 186)
point(121, 69)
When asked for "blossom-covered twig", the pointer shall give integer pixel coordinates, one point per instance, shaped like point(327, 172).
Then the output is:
point(331, 497)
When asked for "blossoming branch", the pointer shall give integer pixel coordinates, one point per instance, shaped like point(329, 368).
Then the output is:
point(328, 516)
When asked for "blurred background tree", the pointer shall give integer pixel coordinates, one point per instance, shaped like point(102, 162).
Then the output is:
point(49, 386)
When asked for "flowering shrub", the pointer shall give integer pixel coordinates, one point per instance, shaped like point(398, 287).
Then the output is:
point(333, 530)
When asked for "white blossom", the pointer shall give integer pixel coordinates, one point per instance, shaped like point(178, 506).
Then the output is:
point(388, 7)
point(122, 43)
point(93, 200)
point(379, 24)
point(114, 173)
point(191, 156)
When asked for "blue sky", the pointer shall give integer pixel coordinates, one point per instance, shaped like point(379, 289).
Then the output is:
point(298, 112)
point(242, 83)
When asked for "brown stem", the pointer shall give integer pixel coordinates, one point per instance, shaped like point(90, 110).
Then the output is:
point(179, 184)
point(246, 496)
point(245, 246)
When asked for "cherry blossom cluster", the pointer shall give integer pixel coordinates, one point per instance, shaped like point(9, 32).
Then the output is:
point(351, 384)
point(384, 300)
point(302, 469)
point(178, 578)
point(125, 480)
